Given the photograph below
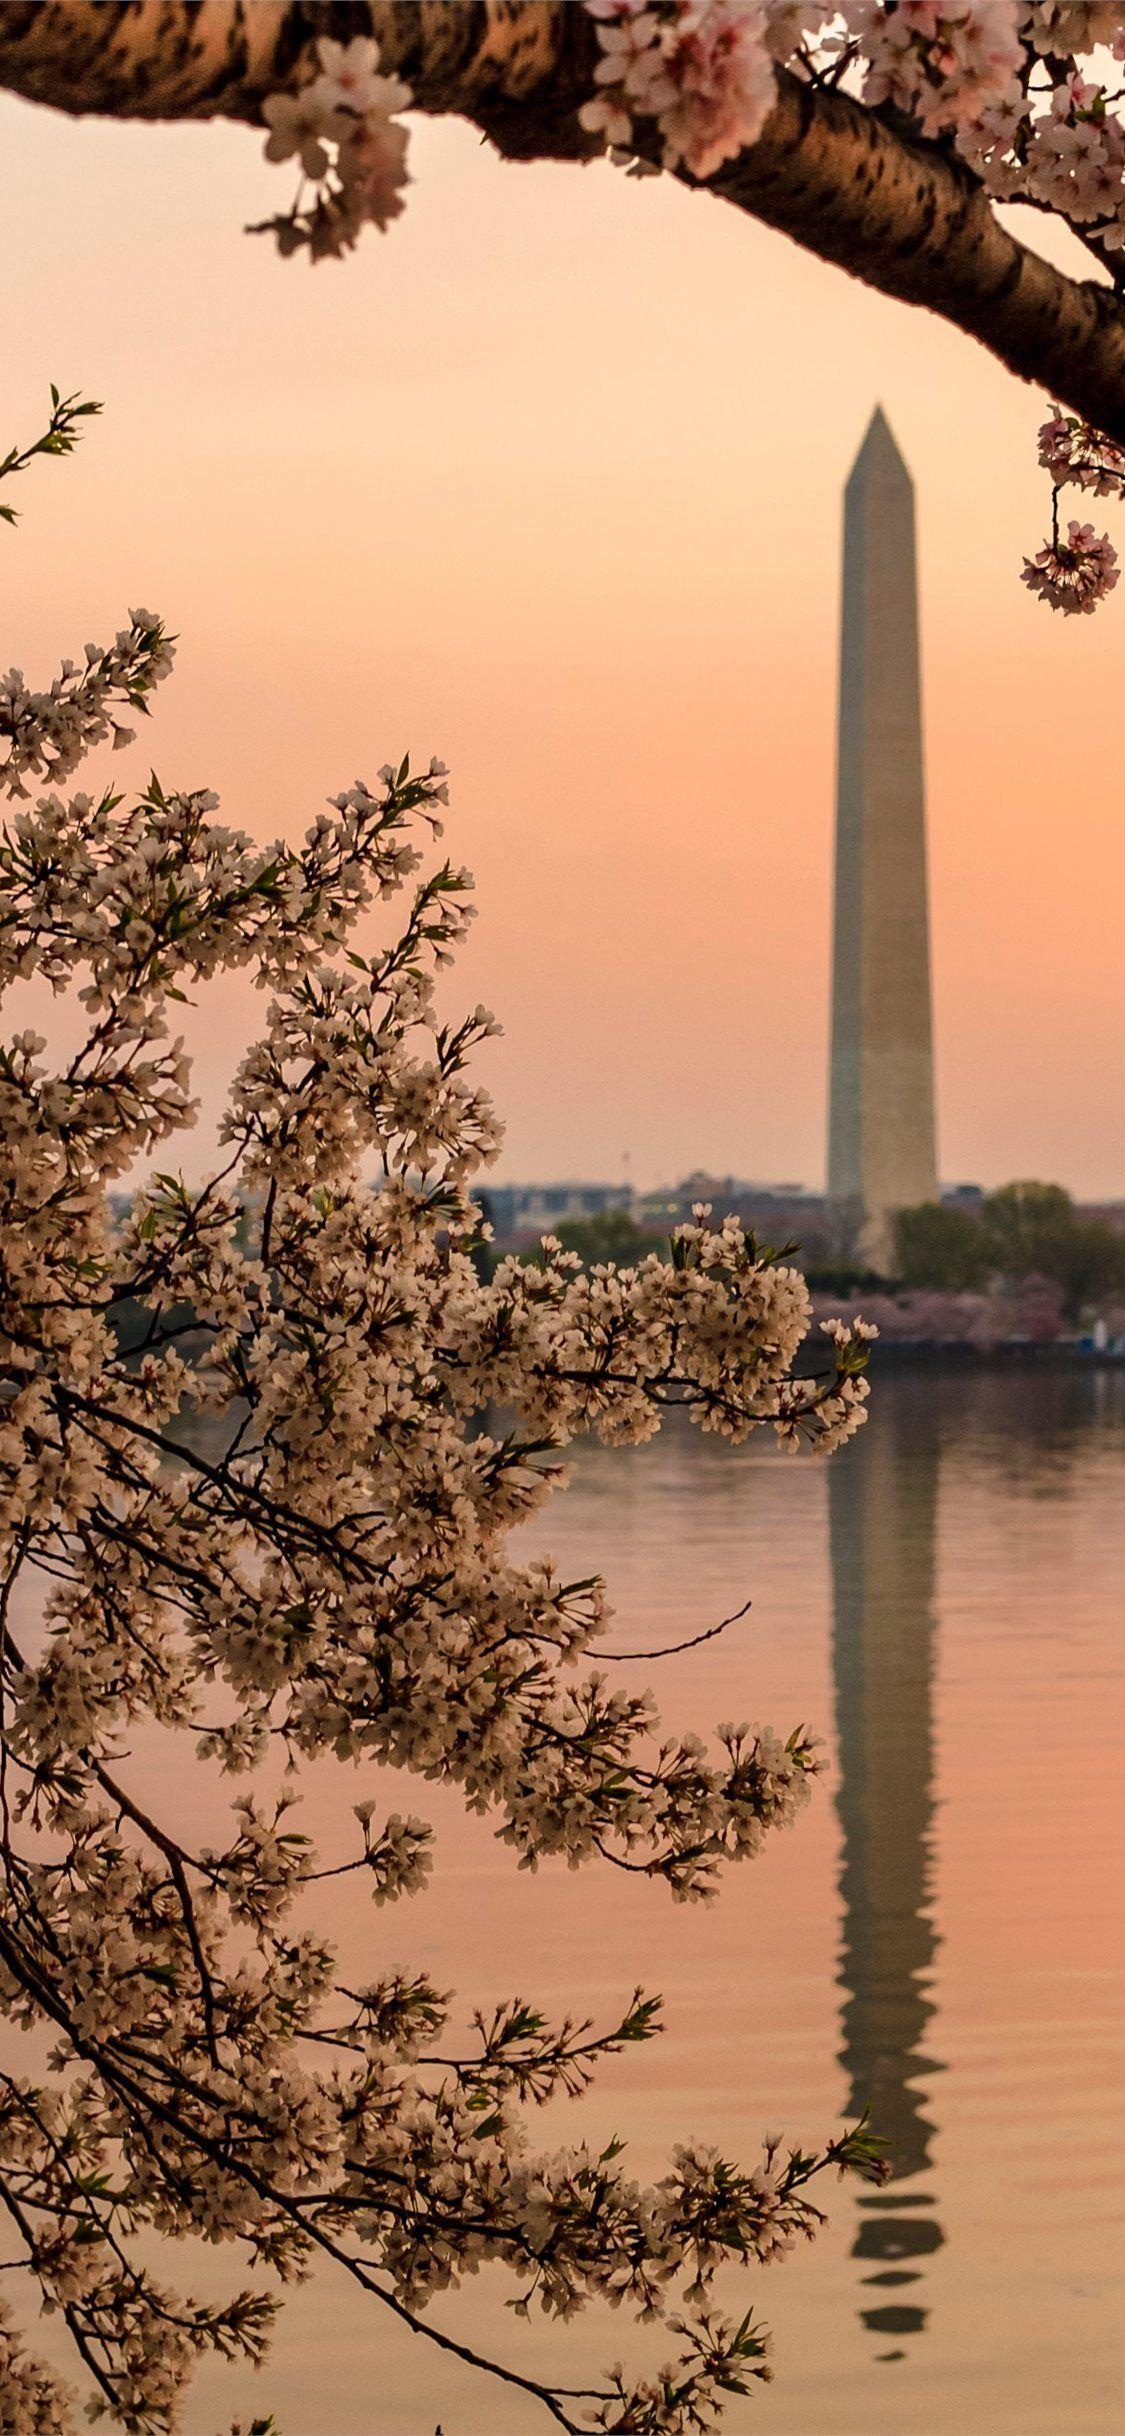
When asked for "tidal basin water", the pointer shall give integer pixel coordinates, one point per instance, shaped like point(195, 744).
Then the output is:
point(939, 1938)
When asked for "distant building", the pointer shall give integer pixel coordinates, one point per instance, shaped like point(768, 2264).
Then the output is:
point(775, 1213)
point(521, 1213)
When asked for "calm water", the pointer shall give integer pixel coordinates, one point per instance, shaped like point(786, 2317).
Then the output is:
point(940, 1937)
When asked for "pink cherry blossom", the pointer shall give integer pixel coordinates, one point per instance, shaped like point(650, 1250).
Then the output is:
point(1075, 574)
point(723, 76)
point(1072, 451)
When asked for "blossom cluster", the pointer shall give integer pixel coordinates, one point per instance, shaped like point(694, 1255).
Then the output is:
point(942, 62)
point(47, 734)
point(263, 1442)
point(1075, 574)
point(704, 71)
point(701, 69)
point(341, 124)
point(1072, 451)
point(1052, 135)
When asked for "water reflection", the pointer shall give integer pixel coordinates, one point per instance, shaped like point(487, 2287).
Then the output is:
point(882, 1513)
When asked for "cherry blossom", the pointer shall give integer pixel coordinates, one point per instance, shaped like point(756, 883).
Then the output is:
point(1073, 451)
point(1075, 574)
point(297, 124)
point(48, 733)
point(701, 70)
point(264, 1439)
point(724, 85)
point(942, 61)
point(349, 80)
point(341, 123)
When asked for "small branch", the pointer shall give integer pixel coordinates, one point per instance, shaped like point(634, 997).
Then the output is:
point(673, 1649)
point(58, 440)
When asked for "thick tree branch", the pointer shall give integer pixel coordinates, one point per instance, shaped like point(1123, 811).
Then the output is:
point(910, 219)
point(902, 215)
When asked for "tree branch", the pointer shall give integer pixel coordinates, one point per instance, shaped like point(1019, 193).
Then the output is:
point(903, 215)
point(910, 219)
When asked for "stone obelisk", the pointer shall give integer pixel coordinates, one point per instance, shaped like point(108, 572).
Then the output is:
point(881, 1137)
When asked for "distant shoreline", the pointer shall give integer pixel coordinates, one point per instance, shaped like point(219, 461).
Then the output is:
point(1013, 1352)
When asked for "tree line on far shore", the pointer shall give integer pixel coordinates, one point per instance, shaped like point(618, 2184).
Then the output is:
point(1022, 1230)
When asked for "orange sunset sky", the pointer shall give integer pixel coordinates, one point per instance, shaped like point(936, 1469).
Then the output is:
point(547, 480)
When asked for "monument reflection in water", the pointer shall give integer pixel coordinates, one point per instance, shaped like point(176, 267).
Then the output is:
point(882, 1513)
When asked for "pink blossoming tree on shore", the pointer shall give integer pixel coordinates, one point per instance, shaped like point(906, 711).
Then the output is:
point(881, 134)
point(272, 1522)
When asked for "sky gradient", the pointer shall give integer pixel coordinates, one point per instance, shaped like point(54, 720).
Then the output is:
point(547, 481)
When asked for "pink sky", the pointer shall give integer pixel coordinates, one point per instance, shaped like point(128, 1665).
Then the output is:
point(547, 481)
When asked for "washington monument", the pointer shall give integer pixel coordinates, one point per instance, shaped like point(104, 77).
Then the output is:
point(881, 1136)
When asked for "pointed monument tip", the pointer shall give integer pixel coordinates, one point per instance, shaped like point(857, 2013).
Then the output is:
point(880, 452)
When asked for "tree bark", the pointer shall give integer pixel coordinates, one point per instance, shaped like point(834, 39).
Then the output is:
point(902, 215)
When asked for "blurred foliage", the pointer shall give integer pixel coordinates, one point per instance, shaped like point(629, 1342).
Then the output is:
point(609, 1235)
point(843, 1280)
point(1024, 1229)
point(943, 1248)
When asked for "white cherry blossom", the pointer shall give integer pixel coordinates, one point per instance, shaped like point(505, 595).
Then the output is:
point(263, 1443)
point(342, 124)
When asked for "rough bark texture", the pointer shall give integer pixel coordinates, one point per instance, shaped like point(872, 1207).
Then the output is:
point(903, 216)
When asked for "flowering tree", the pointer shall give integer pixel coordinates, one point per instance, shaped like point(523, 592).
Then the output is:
point(273, 1522)
point(878, 133)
